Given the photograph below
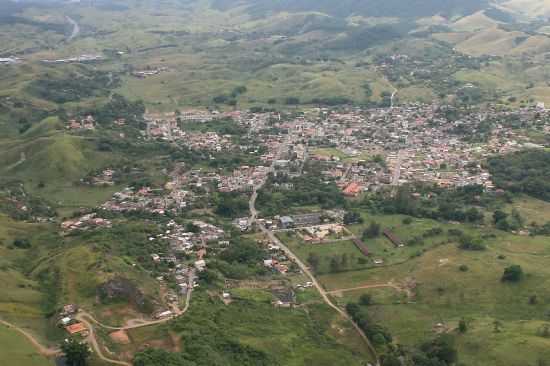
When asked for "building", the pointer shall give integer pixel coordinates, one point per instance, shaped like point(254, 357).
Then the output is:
point(76, 328)
point(361, 246)
point(307, 219)
point(393, 238)
point(287, 222)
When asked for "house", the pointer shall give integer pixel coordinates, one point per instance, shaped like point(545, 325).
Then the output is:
point(307, 219)
point(361, 246)
point(65, 321)
point(287, 222)
point(200, 265)
point(69, 309)
point(352, 190)
point(76, 328)
point(393, 238)
point(283, 297)
point(164, 314)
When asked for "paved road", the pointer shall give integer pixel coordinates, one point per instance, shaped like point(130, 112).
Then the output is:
point(48, 352)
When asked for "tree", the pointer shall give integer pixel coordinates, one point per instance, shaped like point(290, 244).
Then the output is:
point(462, 326)
point(500, 219)
point(497, 324)
point(75, 352)
point(344, 260)
point(192, 228)
point(365, 299)
point(372, 231)
point(441, 348)
point(513, 273)
point(158, 357)
point(474, 215)
point(334, 264)
point(314, 260)
point(352, 218)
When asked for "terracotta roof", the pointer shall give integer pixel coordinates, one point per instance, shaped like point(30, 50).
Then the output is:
point(76, 328)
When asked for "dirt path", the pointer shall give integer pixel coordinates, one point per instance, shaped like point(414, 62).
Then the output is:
point(93, 341)
point(88, 320)
point(48, 352)
point(274, 240)
point(366, 287)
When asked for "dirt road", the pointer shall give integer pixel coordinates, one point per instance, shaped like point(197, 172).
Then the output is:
point(48, 352)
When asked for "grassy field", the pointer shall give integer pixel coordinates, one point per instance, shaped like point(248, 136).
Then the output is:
point(17, 350)
point(444, 294)
point(422, 286)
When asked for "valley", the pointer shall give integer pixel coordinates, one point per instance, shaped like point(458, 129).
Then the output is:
point(223, 182)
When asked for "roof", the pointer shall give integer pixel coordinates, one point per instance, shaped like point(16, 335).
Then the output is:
point(75, 328)
point(287, 219)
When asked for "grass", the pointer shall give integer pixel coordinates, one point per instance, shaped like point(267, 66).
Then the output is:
point(532, 209)
point(17, 350)
point(299, 336)
point(445, 295)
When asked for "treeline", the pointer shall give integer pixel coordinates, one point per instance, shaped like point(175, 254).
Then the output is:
point(307, 190)
point(120, 107)
point(459, 204)
point(440, 351)
point(523, 172)
point(73, 87)
point(209, 339)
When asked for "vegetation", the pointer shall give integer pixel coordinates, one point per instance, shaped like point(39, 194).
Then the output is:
point(512, 274)
point(527, 172)
point(76, 353)
point(308, 190)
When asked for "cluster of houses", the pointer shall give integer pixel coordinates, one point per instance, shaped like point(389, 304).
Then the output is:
point(86, 222)
point(414, 142)
point(104, 178)
point(243, 179)
point(183, 242)
point(67, 320)
point(144, 199)
point(84, 123)
point(142, 74)
point(77, 59)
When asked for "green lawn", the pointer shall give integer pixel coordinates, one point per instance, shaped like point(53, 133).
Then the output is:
point(17, 350)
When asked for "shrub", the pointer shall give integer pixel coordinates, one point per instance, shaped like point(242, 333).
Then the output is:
point(513, 273)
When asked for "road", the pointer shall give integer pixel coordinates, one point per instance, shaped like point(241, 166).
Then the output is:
point(87, 319)
point(393, 97)
point(76, 28)
point(366, 287)
point(275, 241)
point(397, 169)
point(48, 352)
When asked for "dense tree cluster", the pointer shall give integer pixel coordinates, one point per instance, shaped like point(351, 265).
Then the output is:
point(459, 204)
point(308, 190)
point(523, 172)
point(74, 87)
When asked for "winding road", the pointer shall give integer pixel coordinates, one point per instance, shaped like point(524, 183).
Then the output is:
point(275, 241)
point(45, 351)
point(89, 321)
point(76, 28)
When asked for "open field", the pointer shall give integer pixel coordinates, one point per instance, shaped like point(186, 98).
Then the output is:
point(444, 294)
point(17, 350)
